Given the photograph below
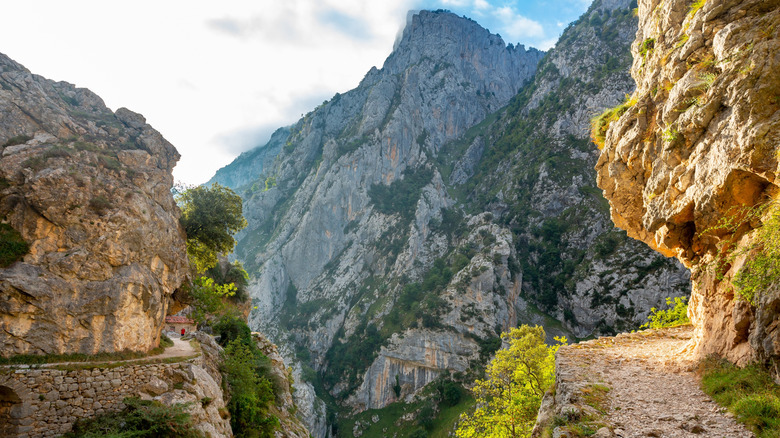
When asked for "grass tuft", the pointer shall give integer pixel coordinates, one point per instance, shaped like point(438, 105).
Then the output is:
point(600, 123)
point(749, 393)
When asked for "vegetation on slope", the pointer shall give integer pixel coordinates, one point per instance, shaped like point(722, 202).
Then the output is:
point(508, 399)
point(749, 393)
point(139, 419)
point(12, 245)
point(761, 267)
point(211, 216)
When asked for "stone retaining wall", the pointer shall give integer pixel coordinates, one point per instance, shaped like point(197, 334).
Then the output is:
point(46, 402)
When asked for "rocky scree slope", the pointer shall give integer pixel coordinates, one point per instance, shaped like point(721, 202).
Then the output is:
point(405, 223)
point(698, 150)
point(89, 191)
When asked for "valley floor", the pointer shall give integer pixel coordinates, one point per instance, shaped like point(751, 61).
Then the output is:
point(639, 385)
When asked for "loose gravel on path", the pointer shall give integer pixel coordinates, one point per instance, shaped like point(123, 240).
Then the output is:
point(654, 391)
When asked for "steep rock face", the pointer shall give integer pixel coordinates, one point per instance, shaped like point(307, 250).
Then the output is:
point(250, 165)
point(427, 211)
point(698, 150)
point(535, 176)
point(89, 191)
point(315, 237)
point(192, 383)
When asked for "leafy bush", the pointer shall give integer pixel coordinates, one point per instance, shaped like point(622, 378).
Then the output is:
point(749, 393)
point(139, 418)
point(12, 245)
point(226, 273)
point(210, 216)
point(671, 317)
point(230, 328)
point(250, 393)
point(208, 298)
point(517, 378)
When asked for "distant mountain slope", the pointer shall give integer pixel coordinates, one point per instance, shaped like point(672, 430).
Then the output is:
point(405, 223)
point(535, 174)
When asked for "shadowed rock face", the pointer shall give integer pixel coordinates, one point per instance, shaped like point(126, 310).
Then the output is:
point(89, 191)
point(699, 147)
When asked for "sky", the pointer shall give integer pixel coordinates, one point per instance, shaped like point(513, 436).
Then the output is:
point(216, 78)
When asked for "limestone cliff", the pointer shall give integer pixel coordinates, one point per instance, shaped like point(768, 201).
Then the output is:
point(404, 224)
point(89, 191)
point(696, 147)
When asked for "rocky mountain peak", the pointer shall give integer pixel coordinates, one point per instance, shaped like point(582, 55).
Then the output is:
point(444, 35)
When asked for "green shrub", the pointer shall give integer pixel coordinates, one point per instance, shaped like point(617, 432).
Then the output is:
point(250, 394)
point(749, 393)
point(671, 317)
point(229, 328)
point(139, 418)
point(12, 245)
point(100, 204)
point(600, 123)
point(17, 139)
point(165, 341)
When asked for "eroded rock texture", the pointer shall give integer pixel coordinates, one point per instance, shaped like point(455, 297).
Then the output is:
point(89, 191)
point(698, 148)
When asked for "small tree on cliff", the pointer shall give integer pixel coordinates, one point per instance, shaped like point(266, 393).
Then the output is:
point(509, 398)
point(210, 215)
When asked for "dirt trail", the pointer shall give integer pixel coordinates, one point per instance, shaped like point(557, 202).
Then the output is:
point(654, 391)
point(180, 348)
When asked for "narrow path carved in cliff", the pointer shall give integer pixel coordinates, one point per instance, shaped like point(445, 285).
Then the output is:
point(181, 348)
point(654, 390)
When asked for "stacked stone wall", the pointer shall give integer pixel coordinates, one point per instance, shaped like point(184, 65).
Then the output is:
point(46, 402)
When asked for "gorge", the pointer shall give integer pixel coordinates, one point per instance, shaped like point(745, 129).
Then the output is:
point(464, 188)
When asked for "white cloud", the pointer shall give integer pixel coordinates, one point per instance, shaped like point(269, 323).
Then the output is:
point(481, 5)
point(455, 3)
point(515, 26)
point(212, 77)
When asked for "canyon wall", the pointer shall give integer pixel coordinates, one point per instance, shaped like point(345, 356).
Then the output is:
point(402, 225)
point(690, 164)
point(89, 191)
